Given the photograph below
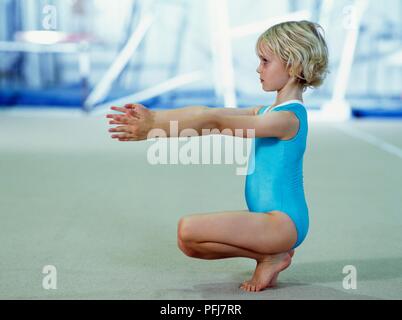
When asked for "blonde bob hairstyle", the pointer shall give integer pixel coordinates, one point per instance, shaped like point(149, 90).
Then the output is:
point(301, 47)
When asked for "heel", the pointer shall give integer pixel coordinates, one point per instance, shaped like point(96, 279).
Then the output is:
point(274, 281)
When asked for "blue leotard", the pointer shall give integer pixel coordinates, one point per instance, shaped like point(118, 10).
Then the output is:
point(275, 173)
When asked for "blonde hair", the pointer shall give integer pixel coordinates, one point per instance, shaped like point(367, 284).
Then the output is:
point(301, 47)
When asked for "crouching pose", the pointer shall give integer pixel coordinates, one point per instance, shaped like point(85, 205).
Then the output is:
point(293, 56)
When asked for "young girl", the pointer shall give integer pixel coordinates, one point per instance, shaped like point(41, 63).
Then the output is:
point(293, 56)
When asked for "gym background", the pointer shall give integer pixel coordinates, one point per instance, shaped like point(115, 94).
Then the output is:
point(86, 217)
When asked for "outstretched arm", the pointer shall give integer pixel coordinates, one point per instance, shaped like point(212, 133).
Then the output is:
point(198, 117)
point(272, 124)
point(136, 121)
point(231, 121)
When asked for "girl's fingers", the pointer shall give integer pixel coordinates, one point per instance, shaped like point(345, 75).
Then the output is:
point(132, 111)
point(129, 117)
point(132, 106)
point(122, 136)
point(123, 119)
point(120, 129)
point(119, 120)
point(114, 116)
point(119, 136)
point(124, 110)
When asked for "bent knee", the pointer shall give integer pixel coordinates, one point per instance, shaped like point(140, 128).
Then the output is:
point(188, 251)
point(184, 229)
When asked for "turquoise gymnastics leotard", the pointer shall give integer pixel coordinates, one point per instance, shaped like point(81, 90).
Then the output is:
point(275, 173)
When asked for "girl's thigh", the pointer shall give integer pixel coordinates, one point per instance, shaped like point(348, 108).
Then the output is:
point(269, 232)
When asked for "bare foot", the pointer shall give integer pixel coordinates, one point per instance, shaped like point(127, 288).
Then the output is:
point(267, 271)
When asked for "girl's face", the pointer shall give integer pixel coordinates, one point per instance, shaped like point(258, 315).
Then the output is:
point(272, 71)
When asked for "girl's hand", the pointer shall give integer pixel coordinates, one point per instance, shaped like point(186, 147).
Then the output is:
point(135, 122)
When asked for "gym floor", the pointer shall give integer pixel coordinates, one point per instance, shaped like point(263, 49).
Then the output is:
point(95, 209)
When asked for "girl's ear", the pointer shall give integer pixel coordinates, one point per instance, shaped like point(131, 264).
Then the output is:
point(297, 69)
point(292, 79)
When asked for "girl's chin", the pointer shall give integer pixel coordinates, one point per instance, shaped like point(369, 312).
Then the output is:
point(267, 89)
point(264, 85)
